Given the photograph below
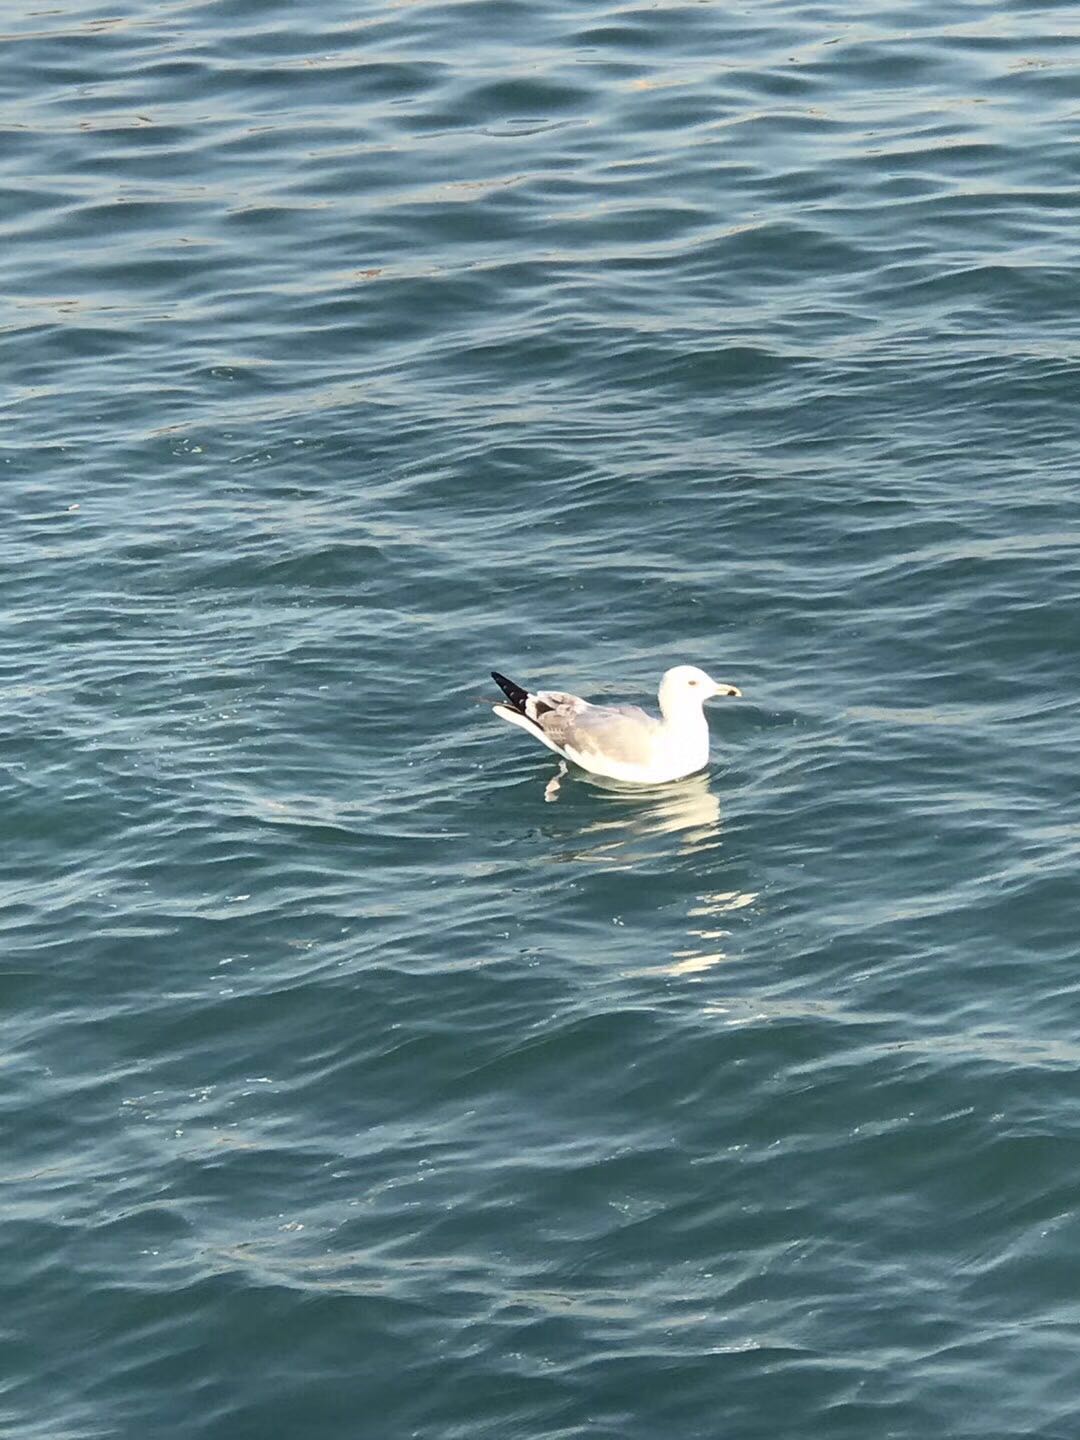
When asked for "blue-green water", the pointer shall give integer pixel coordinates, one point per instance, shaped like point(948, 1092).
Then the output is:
point(351, 1091)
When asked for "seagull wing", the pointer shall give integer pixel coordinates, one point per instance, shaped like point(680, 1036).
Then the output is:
point(623, 734)
point(606, 739)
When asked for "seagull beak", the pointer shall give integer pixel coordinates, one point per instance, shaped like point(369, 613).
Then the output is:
point(728, 690)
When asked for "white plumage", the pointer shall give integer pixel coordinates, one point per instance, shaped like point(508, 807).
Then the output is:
point(622, 742)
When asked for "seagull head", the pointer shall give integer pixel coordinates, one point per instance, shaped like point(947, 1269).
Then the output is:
point(686, 688)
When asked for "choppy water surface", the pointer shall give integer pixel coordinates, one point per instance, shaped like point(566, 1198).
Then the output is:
point(350, 1090)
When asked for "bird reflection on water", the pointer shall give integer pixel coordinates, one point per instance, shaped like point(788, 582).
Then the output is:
point(624, 820)
point(619, 827)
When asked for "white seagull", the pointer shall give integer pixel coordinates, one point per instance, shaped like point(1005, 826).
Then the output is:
point(622, 742)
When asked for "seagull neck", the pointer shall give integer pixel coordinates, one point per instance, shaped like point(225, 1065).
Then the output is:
point(684, 716)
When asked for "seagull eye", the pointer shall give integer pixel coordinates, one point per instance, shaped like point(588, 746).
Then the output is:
point(692, 682)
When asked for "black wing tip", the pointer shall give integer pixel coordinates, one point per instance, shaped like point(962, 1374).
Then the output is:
point(514, 693)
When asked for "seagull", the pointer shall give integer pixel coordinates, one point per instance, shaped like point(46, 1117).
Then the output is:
point(621, 742)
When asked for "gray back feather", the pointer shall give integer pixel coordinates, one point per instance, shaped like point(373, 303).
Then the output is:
point(623, 733)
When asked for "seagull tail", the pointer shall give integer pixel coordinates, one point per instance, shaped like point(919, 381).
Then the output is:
point(514, 693)
point(525, 710)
